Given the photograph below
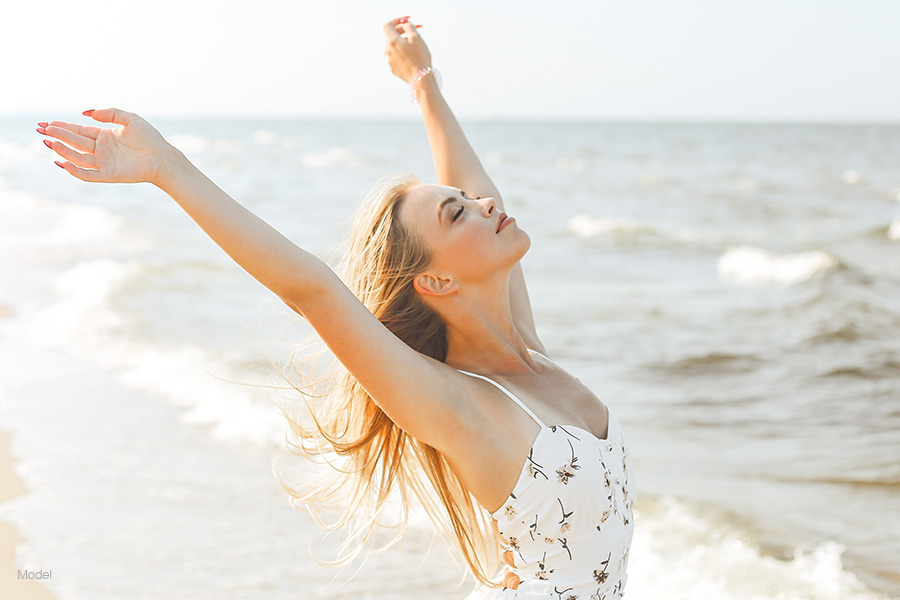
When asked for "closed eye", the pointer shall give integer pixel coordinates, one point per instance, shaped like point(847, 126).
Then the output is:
point(458, 213)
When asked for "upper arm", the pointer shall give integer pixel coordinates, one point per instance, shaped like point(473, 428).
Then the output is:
point(415, 391)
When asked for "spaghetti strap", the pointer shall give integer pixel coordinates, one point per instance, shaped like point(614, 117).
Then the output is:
point(547, 358)
point(508, 393)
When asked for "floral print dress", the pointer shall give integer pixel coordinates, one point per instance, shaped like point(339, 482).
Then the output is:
point(568, 523)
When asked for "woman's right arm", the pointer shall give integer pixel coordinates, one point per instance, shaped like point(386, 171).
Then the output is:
point(414, 390)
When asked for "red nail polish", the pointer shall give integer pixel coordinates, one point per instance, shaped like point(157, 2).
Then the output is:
point(43, 124)
point(58, 164)
point(41, 130)
point(88, 113)
point(48, 143)
point(417, 26)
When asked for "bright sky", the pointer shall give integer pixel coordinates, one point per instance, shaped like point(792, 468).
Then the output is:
point(807, 60)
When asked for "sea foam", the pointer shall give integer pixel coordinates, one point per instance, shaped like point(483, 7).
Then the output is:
point(588, 226)
point(677, 553)
point(894, 230)
point(751, 265)
point(84, 322)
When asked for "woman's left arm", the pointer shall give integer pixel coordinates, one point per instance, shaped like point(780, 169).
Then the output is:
point(455, 162)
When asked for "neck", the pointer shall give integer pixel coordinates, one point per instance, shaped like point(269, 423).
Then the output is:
point(481, 334)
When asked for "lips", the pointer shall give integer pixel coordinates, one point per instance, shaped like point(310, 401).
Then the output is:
point(502, 218)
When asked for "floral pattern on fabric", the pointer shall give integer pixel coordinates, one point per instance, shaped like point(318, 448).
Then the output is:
point(574, 530)
point(571, 534)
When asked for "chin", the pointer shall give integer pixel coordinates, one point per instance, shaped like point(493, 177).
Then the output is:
point(526, 241)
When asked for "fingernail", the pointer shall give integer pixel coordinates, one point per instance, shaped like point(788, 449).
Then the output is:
point(43, 124)
point(41, 130)
point(88, 113)
point(48, 143)
point(404, 19)
point(417, 26)
point(58, 164)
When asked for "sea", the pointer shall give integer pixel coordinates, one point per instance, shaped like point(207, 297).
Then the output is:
point(730, 290)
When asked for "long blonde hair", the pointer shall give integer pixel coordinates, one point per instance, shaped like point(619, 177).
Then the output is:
point(372, 456)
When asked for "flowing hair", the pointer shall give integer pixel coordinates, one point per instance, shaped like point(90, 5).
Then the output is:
point(372, 457)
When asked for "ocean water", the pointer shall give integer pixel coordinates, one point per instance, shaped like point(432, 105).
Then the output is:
point(732, 291)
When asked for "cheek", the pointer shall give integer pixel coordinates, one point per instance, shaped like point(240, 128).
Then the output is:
point(473, 255)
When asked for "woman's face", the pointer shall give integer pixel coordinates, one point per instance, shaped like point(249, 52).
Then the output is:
point(470, 240)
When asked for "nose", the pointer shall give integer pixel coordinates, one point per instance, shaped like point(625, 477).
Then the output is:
point(488, 206)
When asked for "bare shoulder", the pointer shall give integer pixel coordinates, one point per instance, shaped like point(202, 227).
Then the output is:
point(468, 409)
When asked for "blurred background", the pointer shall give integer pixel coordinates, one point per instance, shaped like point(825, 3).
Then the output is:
point(713, 196)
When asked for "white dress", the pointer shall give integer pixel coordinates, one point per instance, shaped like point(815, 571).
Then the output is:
point(568, 522)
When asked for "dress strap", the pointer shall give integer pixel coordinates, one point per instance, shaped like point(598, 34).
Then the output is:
point(508, 393)
point(547, 358)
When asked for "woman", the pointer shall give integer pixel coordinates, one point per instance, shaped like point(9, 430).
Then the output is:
point(446, 376)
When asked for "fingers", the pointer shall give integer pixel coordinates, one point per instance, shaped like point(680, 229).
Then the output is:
point(112, 115)
point(82, 174)
point(61, 131)
point(408, 28)
point(87, 131)
point(390, 30)
point(395, 27)
point(79, 159)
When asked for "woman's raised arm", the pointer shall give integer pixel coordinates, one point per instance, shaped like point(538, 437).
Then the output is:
point(415, 391)
point(137, 152)
point(455, 162)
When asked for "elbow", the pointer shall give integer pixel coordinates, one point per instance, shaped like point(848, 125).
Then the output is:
point(306, 291)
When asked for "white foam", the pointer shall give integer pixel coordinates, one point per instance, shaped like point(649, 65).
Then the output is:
point(84, 323)
point(333, 157)
point(565, 163)
point(32, 225)
point(894, 230)
point(678, 553)
point(190, 144)
point(751, 265)
point(264, 137)
point(18, 151)
point(81, 320)
point(851, 177)
point(587, 226)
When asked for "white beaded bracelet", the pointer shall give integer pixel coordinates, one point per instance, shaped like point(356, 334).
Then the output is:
point(414, 84)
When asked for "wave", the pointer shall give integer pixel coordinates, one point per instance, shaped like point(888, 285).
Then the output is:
point(885, 370)
point(681, 552)
point(333, 157)
point(587, 226)
point(264, 137)
point(751, 265)
point(17, 151)
point(893, 231)
point(190, 144)
point(83, 322)
point(712, 363)
point(36, 227)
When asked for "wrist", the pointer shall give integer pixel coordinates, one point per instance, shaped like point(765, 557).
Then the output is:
point(171, 162)
point(428, 86)
point(425, 76)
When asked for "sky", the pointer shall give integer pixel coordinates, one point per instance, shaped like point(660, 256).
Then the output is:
point(657, 60)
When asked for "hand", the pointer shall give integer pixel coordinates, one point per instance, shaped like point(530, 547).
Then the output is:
point(406, 56)
point(129, 154)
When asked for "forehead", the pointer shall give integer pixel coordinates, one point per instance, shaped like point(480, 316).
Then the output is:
point(420, 209)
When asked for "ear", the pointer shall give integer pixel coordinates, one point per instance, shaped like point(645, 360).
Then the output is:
point(432, 285)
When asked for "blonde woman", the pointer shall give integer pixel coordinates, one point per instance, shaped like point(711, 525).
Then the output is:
point(448, 395)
